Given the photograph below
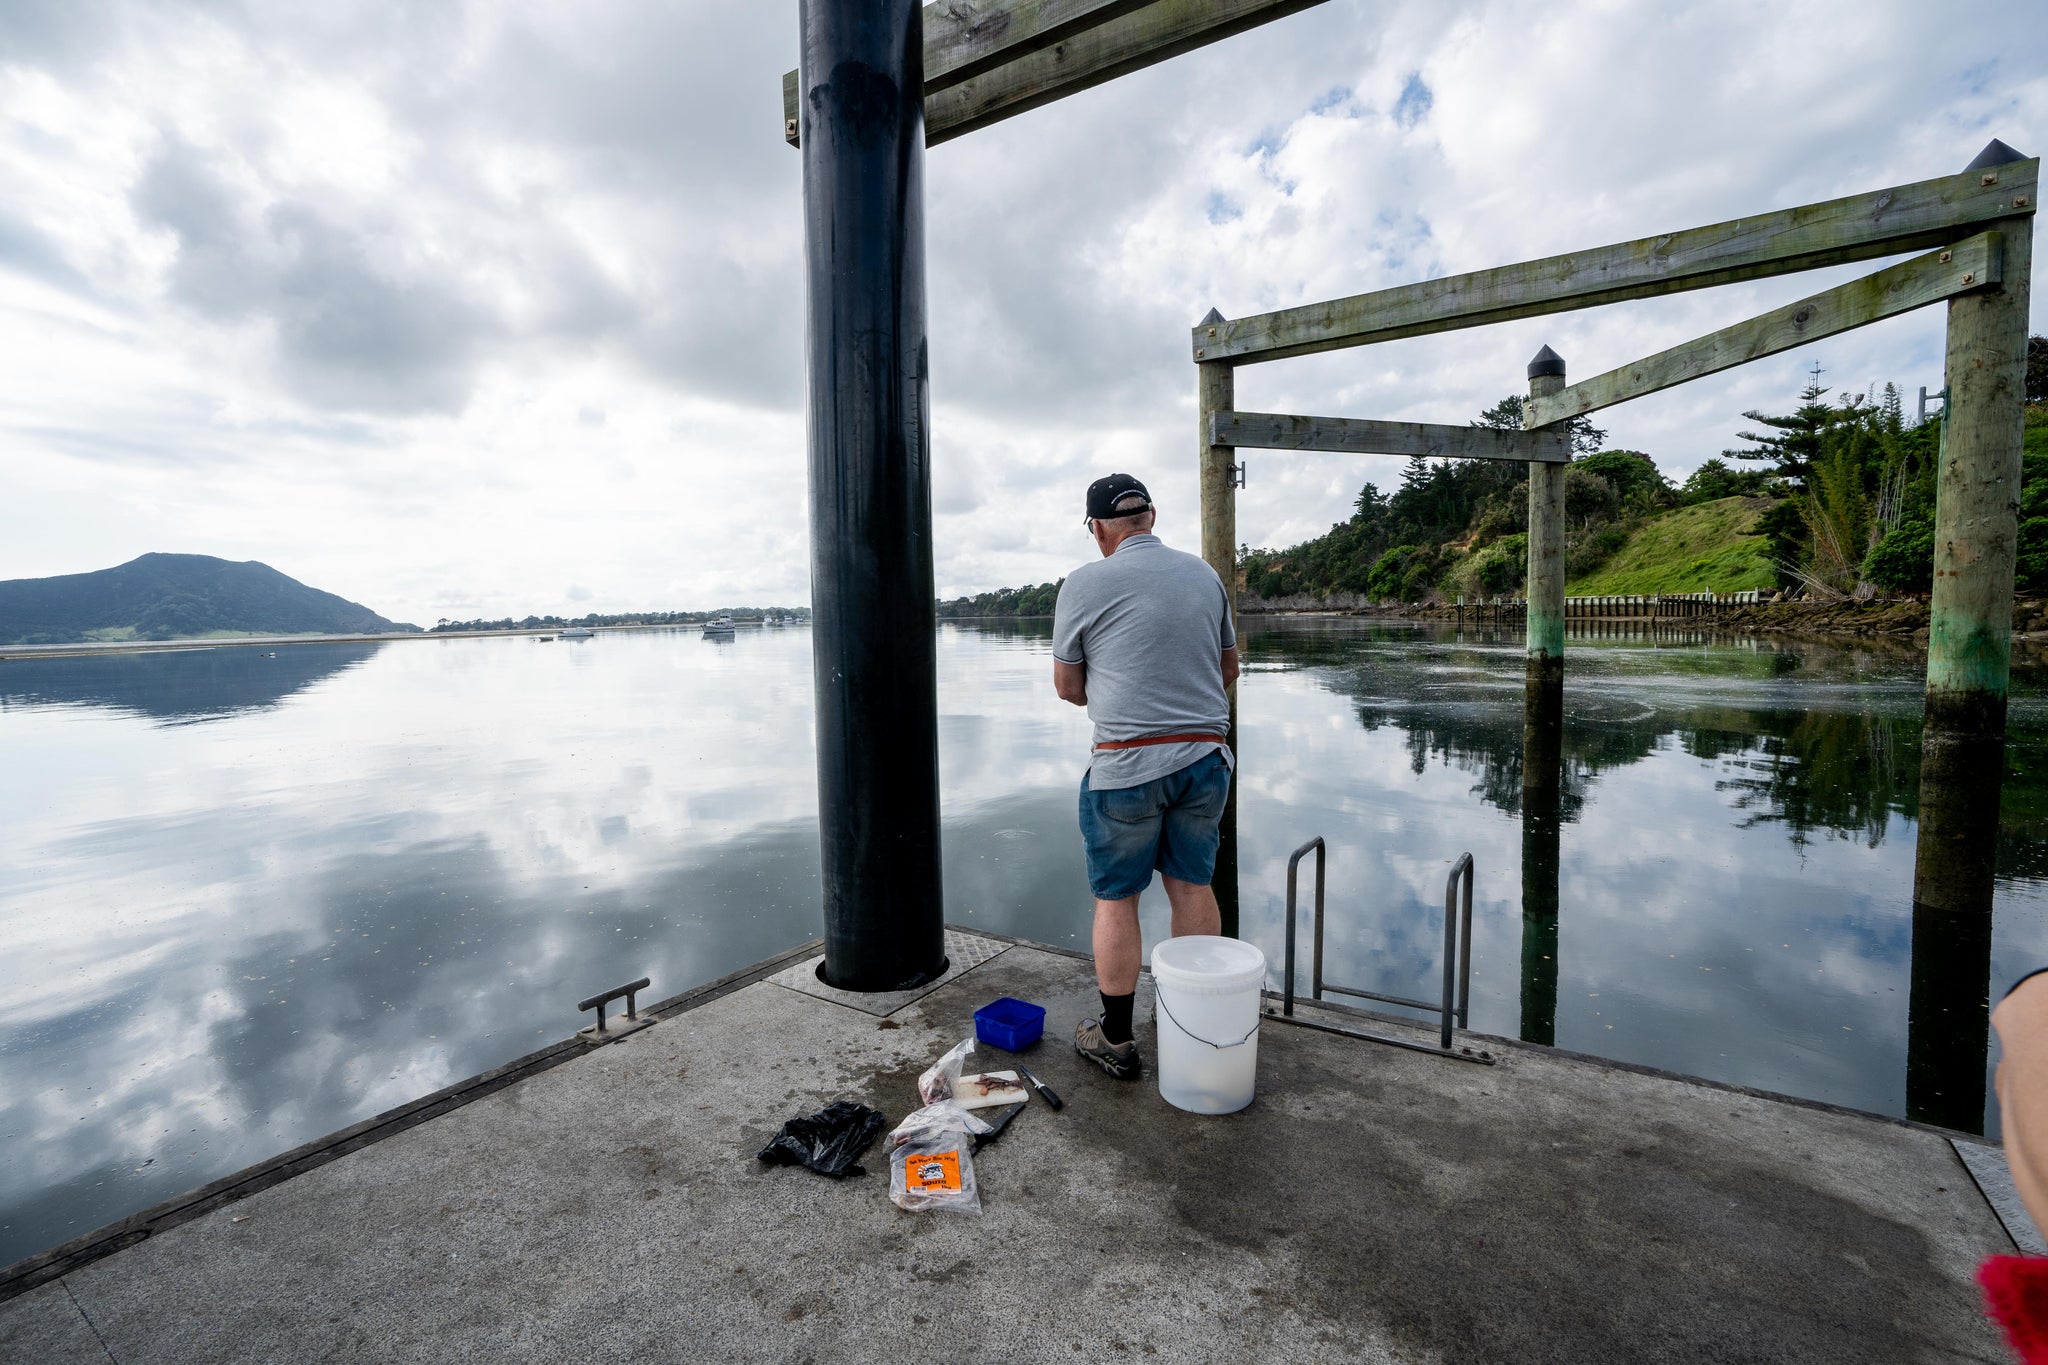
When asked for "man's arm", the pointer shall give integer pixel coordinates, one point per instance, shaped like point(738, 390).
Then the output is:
point(2022, 1081)
point(1229, 666)
point(1070, 681)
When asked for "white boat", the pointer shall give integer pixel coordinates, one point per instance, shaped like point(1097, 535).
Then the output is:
point(576, 633)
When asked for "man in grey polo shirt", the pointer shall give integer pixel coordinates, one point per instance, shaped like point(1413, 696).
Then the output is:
point(1143, 639)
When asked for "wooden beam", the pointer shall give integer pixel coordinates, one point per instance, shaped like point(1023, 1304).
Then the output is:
point(987, 60)
point(1355, 436)
point(1974, 263)
point(1859, 227)
point(1142, 38)
point(968, 38)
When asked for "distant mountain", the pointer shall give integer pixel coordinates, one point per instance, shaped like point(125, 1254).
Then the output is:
point(166, 597)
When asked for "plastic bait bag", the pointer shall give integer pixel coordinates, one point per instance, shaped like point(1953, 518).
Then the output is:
point(942, 1117)
point(937, 1083)
point(937, 1174)
point(931, 1161)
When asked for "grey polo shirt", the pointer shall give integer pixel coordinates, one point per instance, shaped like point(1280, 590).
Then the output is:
point(1151, 624)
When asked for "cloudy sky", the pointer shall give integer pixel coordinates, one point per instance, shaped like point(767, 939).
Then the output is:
point(485, 308)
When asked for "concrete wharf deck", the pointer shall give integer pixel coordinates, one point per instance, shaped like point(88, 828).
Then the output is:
point(1373, 1204)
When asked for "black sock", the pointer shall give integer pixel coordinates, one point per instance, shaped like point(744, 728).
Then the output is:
point(1116, 1016)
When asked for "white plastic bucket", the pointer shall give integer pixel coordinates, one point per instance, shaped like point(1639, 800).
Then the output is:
point(1207, 991)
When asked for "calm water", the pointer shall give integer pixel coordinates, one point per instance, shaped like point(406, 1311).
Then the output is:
point(245, 901)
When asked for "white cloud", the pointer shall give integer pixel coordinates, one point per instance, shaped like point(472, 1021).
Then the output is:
point(446, 311)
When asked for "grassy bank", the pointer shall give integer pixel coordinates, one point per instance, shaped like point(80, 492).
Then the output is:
point(1706, 548)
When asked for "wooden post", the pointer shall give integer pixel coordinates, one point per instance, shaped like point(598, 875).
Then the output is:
point(1543, 692)
point(1969, 654)
point(1543, 727)
point(1215, 391)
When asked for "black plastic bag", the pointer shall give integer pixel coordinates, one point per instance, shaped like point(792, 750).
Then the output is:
point(829, 1142)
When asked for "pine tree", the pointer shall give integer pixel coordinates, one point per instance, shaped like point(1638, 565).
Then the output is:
point(1794, 442)
point(1892, 410)
point(1506, 415)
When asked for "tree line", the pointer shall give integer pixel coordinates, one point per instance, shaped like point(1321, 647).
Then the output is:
point(1846, 491)
point(633, 618)
point(1036, 600)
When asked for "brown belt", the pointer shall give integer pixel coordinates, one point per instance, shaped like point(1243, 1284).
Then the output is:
point(1162, 739)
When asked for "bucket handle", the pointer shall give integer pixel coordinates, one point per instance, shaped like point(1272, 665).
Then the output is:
point(1159, 998)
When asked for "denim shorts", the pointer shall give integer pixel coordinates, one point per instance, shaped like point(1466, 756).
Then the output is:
point(1169, 823)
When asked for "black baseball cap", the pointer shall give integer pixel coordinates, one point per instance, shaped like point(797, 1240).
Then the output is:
point(1105, 493)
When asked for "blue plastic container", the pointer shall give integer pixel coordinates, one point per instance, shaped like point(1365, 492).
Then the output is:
point(1012, 1025)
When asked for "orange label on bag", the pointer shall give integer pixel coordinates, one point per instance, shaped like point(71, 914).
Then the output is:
point(925, 1172)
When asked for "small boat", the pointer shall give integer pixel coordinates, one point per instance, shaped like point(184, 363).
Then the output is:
point(775, 621)
point(545, 639)
point(576, 633)
point(719, 628)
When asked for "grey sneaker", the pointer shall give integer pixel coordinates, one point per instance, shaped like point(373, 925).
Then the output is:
point(1120, 1060)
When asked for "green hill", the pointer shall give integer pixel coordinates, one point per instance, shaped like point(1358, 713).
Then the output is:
point(167, 597)
point(1710, 547)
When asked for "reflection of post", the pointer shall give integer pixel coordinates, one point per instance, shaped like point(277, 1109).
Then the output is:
point(1543, 693)
point(1215, 391)
point(1969, 652)
point(874, 648)
point(1540, 833)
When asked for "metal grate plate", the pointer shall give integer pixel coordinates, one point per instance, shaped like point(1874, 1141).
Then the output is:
point(964, 952)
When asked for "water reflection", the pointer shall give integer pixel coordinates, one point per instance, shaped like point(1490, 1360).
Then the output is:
point(1542, 827)
point(378, 870)
point(1720, 887)
point(1953, 898)
point(178, 685)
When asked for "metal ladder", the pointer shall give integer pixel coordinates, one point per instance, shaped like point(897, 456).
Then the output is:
point(1452, 1011)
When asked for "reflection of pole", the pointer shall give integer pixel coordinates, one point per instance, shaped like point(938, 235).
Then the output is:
point(1215, 391)
point(1969, 654)
point(1948, 1015)
point(1540, 833)
point(1543, 692)
point(873, 638)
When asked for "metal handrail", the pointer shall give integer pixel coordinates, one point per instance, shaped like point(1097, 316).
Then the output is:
point(1453, 1010)
point(1293, 867)
point(1454, 940)
point(597, 1002)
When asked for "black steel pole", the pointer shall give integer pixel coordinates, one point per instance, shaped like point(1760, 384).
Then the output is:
point(873, 634)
